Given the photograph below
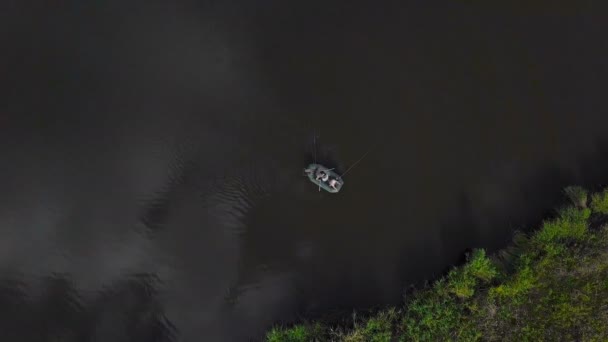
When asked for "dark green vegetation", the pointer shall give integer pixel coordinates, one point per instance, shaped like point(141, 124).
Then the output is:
point(550, 285)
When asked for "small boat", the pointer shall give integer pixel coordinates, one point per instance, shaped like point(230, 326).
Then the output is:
point(313, 170)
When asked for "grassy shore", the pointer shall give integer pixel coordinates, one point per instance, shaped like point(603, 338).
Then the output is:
point(549, 285)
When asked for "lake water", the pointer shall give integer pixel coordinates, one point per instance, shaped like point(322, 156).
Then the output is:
point(152, 184)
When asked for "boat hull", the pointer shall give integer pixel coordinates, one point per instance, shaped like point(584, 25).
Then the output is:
point(324, 185)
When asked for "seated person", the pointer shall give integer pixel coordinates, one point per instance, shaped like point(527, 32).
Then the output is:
point(334, 184)
point(322, 175)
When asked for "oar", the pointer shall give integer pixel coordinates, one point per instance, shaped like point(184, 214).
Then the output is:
point(314, 146)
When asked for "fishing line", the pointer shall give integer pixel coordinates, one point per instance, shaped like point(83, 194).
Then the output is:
point(360, 159)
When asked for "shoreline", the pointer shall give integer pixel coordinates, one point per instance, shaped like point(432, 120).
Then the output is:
point(550, 283)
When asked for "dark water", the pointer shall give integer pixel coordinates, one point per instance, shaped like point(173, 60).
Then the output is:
point(152, 154)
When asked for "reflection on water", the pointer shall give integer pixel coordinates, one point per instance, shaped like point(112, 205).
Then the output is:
point(53, 310)
point(152, 176)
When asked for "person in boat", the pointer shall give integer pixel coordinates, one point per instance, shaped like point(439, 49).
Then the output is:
point(334, 184)
point(322, 175)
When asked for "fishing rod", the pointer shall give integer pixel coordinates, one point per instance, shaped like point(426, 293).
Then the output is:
point(339, 177)
point(314, 145)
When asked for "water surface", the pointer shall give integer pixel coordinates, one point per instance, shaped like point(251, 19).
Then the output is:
point(152, 177)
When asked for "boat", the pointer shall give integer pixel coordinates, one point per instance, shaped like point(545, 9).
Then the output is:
point(312, 170)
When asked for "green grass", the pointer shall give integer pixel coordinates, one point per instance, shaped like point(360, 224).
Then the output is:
point(377, 329)
point(577, 195)
point(298, 333)
point(599, 202)
point(556, 289)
